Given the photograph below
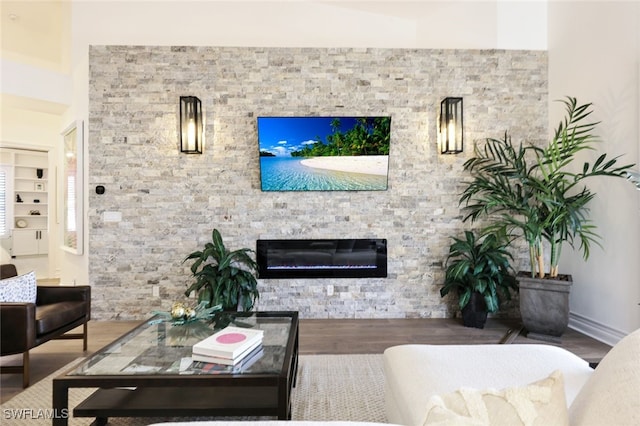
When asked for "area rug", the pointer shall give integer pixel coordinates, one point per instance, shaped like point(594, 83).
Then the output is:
point(329, 387)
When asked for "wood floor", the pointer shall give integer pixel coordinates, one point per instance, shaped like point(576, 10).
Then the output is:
point(322, 336)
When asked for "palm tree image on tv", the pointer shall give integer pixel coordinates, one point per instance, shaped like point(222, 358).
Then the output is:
point(324, 153)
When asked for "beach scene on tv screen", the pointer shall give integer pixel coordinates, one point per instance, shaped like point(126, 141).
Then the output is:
point(324, 153)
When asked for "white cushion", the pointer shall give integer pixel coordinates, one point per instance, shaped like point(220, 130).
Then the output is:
point(20, 289)
point(612, 395)
point(414, 373)
point(541, 403)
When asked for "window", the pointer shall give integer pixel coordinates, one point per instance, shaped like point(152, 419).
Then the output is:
point(72, 175)
point(71, 207)
point(6, 210)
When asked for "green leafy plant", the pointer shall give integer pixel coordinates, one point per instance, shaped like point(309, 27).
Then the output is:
point(224, 277)
point(539, 191)
point(479, 265)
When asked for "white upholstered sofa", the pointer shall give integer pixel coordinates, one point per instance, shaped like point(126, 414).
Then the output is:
point(490, 384)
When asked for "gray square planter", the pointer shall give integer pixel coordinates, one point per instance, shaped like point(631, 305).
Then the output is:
point(544, 306)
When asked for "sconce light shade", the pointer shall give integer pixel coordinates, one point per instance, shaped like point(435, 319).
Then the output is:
point(451, 126)
point(190, 125)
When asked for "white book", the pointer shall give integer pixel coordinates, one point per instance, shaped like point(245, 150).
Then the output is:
point(229, 343)
point(244, 361)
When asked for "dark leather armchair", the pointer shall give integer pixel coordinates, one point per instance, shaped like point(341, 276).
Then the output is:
point(23, 326)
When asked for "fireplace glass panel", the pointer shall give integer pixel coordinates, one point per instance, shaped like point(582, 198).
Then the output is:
point(339, 258)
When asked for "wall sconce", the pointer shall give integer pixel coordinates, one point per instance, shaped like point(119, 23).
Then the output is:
point(451, 128)
point(190, 125)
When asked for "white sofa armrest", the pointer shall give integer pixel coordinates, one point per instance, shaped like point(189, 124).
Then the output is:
point(612, 394)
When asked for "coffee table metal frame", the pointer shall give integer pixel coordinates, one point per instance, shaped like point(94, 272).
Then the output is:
point(176, 395)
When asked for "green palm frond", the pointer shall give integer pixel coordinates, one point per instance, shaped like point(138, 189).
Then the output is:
point(536, 191)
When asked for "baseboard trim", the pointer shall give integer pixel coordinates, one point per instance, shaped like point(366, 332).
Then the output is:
point(594, 329)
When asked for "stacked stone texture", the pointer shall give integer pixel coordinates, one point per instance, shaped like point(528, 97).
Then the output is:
point(170, 202)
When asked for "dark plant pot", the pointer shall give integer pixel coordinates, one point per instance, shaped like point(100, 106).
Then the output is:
point(544, 306)
point(474, 314)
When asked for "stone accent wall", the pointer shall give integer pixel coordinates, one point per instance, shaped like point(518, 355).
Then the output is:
point(170, 202)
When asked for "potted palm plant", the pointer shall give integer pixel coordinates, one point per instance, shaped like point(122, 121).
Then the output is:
point(539, 194)
point(224, 277)
point(478, 270)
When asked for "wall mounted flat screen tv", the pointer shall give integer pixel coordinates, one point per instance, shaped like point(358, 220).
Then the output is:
point(324, 153)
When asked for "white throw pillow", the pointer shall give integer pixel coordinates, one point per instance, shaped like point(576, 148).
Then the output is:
point(541, 403)
point(20, 289)
point(611, 396)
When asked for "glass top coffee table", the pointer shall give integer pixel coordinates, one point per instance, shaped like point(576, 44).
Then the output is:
point(148, 372)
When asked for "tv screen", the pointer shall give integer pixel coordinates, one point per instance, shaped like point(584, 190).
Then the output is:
point(324, 153)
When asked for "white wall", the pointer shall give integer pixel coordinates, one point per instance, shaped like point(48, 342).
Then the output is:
point(302, 23)
point(594, 55)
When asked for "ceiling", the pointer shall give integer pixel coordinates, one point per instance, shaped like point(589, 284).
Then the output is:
point(36, 32)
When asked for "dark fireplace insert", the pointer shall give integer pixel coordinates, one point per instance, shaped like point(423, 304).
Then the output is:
point(325, 258)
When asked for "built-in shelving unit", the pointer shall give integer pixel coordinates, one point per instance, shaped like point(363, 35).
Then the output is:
point(30, 235)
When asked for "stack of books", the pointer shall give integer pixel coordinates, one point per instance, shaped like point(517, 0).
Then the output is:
point(230, 346)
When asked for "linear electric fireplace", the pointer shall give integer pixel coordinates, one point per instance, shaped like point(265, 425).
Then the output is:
point(346, 258)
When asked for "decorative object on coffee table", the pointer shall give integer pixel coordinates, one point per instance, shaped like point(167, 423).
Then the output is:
point(478, 270)
point(224, 277)
point(182, 313)
point(228, 346)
